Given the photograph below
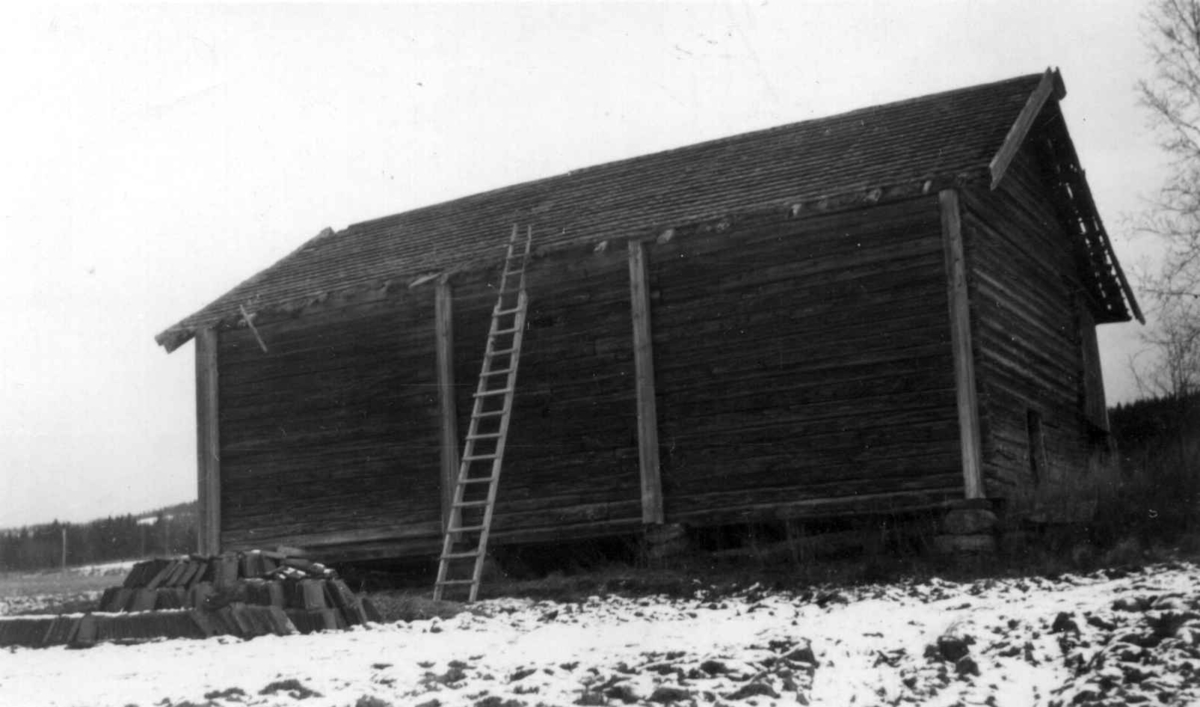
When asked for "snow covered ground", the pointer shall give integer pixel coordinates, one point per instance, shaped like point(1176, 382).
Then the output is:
point(1113, 637)
point(109, 569)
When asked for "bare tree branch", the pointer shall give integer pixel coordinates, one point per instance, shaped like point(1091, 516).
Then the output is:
point(1172, 100)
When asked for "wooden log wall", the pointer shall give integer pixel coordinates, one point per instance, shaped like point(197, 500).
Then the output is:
point(332, 435)
point(802, 368)
point(806, 363)
point(1030, 336)
point(571, 461)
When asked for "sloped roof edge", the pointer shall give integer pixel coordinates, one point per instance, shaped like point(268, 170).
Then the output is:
point(1089, 227)
point(944, 137)
point(176, 336)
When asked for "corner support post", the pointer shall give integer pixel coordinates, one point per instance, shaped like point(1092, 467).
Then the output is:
point(647, 412)
point(444, 336)
point(960, 343)
point(208, 443)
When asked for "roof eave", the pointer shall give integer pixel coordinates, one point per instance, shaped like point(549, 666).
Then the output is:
point(804, 207)
point(182, 331)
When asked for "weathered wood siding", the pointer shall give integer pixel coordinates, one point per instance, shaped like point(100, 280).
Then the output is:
point(805, 367)
point(333, 434)
point(1031, 337)
point(571, 464)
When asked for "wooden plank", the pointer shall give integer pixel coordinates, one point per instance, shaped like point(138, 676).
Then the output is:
point(208, 449)
point(733, 507)
point(1050, 85)
point(444, 316)
point(356, 536)
point(647, 414)
point(960, 342)
point(1094, 404)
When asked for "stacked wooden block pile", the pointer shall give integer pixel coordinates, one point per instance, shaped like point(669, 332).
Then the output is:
point(235, 594)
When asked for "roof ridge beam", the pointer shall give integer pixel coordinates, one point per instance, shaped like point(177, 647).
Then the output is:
point(1050, 85)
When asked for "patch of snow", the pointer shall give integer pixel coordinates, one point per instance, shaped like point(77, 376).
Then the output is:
point(1028, 641)
point(108, 569)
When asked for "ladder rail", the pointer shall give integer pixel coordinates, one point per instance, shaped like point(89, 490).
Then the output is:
point(484, 392)
point(454, 518)
point(501, 443)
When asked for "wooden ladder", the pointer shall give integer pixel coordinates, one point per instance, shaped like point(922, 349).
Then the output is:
point(466, 534)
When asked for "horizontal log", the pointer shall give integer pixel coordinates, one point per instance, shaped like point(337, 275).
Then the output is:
point(564, 533)
point(335, 425)
point(286, 483)
point(896, 218)
point(719, 513)
point(367, 397)
point(817, 472)
point(826, 336)
point(316, 540)
point(862, 267)
point(255, 524)
point(305, 336)
point(284, 370)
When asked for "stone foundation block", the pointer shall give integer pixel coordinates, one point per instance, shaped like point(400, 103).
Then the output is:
point(964, 544)
point(969, 521)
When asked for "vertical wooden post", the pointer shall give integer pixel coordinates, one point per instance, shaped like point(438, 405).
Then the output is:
point(444, 322)
point(960, 342)
point(1094, 405)
point(208, 448)
point(647, 412)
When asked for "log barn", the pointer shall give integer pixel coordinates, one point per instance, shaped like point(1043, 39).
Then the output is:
point(884, 311)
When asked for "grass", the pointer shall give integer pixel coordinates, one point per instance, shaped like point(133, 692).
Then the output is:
point(65, 592)
point(14, 584)
point(684, 576)
point(413, 605)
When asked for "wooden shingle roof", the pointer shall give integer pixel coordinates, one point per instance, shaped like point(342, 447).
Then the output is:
point(945, 138)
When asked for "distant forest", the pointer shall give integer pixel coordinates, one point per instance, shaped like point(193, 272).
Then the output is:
point(1158, 440)
point(164, 531)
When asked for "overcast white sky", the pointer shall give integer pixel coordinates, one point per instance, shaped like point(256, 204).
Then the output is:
point(155, 156)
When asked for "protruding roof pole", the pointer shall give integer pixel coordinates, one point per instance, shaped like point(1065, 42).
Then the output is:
point(1050, 85)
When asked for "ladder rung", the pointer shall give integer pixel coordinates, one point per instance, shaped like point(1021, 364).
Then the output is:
point(514, 264)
